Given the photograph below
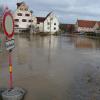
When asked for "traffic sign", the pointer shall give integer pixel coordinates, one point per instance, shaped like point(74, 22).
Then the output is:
point(8, 24)
point(10, 44)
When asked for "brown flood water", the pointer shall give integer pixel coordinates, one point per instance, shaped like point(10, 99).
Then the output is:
point(56, 68)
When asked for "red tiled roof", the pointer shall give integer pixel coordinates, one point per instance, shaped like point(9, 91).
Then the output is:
point(40, 19)
point(86, 23)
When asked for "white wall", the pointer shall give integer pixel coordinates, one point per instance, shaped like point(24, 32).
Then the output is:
point(20, 23)
point(41, 27)
point(44, 27)
point(51, 26)
point(84, 29)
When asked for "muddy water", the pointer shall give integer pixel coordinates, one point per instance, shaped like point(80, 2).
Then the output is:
point(54, 68)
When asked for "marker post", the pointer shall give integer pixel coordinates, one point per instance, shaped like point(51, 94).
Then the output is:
point(10, 70)
point(8, 26)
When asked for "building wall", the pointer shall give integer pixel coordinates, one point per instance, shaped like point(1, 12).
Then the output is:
point(40, 27)
point(76, 27)
point(84, 29)
point(21, 24)
point(51, 24)
point(34, 21)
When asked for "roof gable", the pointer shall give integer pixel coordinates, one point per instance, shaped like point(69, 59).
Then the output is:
point(42, 19)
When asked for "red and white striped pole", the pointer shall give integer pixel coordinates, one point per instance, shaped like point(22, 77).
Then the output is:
point(10, 71)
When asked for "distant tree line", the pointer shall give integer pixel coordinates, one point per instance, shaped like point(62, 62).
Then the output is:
point(67, 28)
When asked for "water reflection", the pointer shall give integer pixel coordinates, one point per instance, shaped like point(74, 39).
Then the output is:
point(85, 43)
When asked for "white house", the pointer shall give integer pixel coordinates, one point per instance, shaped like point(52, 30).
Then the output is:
point(23, 18)
point(85, 26)
point(48, 24)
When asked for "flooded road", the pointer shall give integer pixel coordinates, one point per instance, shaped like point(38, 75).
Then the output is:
point(54, 68)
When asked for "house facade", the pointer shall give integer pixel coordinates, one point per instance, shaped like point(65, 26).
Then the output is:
point(23, 18)
point(85, 26)
point(48, 24)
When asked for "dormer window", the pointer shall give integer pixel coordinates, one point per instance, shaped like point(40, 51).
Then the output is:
point(26, 9)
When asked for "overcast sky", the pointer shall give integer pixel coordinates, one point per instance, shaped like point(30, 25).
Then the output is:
point(68, 11)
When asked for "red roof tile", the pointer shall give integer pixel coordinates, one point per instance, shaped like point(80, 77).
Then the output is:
point(86, 23)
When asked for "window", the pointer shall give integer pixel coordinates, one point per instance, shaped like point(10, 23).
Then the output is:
point(54, 28)
point(27, 14)
point(51, 18)
point(16, 20)
point(26, 9)
point(48, 23)
point(19, 14)
point(23, 20)
point(30, 20)
point(21, 9)
point(54, 23)
point(16, 25)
